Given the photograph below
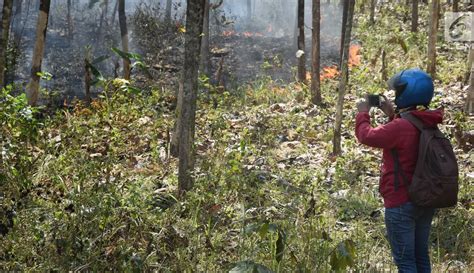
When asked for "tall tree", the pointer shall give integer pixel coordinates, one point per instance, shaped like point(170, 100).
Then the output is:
point(414, 16)
point(455, 5)
point(315, 56)
point(4, 37)
point(169, 4)
point(124, 34)
point(249, 9)
point(301, 41)
point(103, 19)
point(345, 6)
point(469, 106)
point(433, 36)
point(343, 82)
point(32, 90)
point(187, 109)
point(205, 51)
point(373, 4)
point(206, 36)
point(69, 21)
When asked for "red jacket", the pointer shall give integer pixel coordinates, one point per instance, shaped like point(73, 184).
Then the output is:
point(402, 135)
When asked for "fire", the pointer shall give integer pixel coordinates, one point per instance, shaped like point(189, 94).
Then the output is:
point(252, 34)
point(354, 55)
point(228, 33)
point(246, 34)
point(329, 72)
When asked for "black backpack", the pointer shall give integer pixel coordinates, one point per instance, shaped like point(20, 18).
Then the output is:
point(435, 180)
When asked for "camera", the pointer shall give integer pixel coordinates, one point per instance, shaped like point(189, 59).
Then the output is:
point(374, 100)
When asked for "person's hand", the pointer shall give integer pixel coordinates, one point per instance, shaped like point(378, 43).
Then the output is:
point(386, 107)
point(363, 105)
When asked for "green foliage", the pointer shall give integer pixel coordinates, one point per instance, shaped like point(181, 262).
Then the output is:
point(94, 188)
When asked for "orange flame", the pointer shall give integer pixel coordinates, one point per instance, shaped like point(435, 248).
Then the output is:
point(329, 72)
point(228, 33)
point(252, 34)
point(354, 55)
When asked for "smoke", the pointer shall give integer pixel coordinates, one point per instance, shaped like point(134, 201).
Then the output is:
point(95, 30)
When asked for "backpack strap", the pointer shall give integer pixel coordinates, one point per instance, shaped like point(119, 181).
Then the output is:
point(413, 120)
point(397, 170)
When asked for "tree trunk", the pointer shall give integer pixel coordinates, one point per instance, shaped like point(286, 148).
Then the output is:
point(433, 35)
point(4, 37)
point(373, 3)
point(414, 16)
point(169, 4)
point(455, 5)
point(103, 18)
point(32, 90)
point(87, 80)
point(249, 9)
point(345, 5)
point(316, 46)
point(114, 13)
point(344, 79)
point(301, 40)
point(69, 22)
point(17, 15)
point(124, 34)
point(187, 111)
point(469, 106)
point(204, 66)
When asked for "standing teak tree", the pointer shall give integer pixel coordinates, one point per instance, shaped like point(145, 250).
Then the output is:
point(469, 106)
point(315, 54)
point(345, 6)
point(433, 36)
point(4, 37)
point(344, 79)
point(124, 34)
point(169, 3)
point(187, 104)
point(32, 90)
point(301, 47)
point(414, 16)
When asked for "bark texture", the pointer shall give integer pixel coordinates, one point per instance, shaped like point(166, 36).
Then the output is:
point(344, 79)
point(301, 43)
point(4, 37)
point(169, 4)
point(414, 16)
point(32, 90)
point(204, 66)
point(433, 36)
point(316, 54)
point(187, 110)
point(469, 106)
point(124, 34)
point(373, 3)
point(345, 5)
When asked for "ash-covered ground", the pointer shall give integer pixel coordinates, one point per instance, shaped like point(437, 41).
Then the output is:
point(244, 45)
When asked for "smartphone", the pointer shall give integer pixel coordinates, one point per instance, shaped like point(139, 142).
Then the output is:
point(374, 100)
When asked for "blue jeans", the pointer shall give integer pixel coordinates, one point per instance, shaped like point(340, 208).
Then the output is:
point(408, 230)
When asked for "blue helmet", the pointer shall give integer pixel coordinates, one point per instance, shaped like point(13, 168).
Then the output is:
point(412, 87)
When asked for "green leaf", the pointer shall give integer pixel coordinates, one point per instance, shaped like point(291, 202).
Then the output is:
point(280, 246)
point(127, 55)
point(100, 59)
point(343, 255)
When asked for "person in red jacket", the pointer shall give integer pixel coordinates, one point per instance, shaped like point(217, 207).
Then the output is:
point(408, 226)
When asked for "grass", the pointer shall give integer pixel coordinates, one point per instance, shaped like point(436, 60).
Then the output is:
point(94, 189)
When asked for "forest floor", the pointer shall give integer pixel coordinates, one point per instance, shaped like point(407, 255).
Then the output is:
point(93, 188)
